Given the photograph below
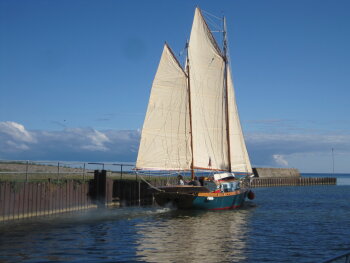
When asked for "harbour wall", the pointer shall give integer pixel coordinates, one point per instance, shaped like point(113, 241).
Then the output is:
point(276, 172)
point(19, 200)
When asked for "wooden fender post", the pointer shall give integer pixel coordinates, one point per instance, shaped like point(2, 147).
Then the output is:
point(100, 187)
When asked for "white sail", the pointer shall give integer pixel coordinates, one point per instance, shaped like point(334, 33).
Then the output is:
point(239, 155)
point(206, 73)
point(195, 126)
point(165, 139)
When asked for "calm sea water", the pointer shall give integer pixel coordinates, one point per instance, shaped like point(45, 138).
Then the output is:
point(283, 224)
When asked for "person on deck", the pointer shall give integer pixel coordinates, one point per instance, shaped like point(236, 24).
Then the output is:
point(195, 182)
point(181, 179)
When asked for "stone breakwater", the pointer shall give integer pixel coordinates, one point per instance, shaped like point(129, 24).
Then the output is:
point(276, 172)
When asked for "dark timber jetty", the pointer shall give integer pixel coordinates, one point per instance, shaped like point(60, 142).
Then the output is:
point(26, 199)
point(301, 181)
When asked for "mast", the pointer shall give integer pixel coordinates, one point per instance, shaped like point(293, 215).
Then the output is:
point(190, 110)
point(226, 90)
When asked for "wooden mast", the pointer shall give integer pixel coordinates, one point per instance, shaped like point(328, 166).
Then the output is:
point(226, 90)
point(190, 110)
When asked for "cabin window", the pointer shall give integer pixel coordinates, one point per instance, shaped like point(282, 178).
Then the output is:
point(234, 186)
point(225, 188)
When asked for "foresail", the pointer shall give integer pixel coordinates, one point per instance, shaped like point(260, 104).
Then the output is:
point(165, 138)
point(206, 73)
point(239, 154)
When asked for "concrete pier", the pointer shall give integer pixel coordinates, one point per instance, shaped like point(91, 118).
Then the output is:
point(276, 172)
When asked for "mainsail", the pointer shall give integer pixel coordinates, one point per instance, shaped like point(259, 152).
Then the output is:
point(192, 120)
point(206, 73)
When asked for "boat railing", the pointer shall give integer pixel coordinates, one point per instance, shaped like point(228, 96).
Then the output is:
point(245, 182)
point(343, 258)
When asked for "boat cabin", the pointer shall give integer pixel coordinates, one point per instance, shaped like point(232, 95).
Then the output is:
point(223, 182)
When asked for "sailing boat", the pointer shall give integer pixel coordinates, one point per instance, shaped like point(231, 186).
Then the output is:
point(192, 125)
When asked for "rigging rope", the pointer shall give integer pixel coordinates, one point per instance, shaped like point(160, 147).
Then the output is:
point(150, 185)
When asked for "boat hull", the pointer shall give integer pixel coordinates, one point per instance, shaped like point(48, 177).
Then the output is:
point(202, 201)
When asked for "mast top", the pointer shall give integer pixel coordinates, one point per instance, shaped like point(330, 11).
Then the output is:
point(225, 39)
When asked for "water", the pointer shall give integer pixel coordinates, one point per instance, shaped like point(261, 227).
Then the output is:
point(283, 224)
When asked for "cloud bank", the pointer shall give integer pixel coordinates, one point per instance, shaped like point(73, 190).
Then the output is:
point(70, 144)
point(88, 144)
point(305, 151)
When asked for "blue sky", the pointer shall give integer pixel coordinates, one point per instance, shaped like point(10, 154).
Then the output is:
point(75, 76)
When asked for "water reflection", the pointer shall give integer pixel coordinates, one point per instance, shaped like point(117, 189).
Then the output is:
point(104, 235)
point(187, 236)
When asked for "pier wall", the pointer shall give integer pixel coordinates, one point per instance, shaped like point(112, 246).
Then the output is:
point(276, 172)
point(30, 199)
point(19, 200)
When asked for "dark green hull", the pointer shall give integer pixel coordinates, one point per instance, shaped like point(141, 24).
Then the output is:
point(203, 201)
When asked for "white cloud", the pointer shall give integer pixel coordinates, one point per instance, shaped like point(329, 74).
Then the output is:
point(279, 159)
point(98, 138)
point(296, 150)
point(14, 137)
point(83, 144)
point(88, 144)
point(16, 131)
point(87, 138)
